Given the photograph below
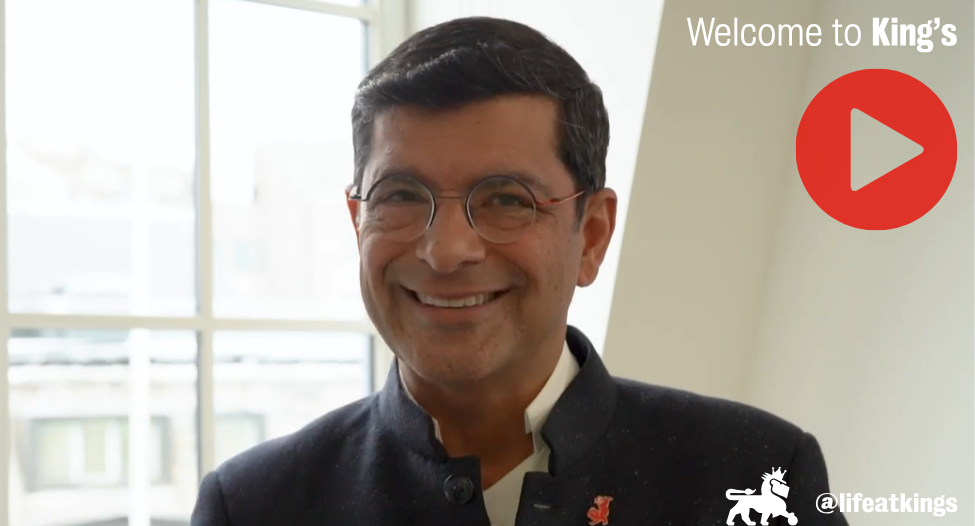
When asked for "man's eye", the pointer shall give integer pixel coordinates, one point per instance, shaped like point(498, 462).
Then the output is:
point(508, 200)
point(401, 196)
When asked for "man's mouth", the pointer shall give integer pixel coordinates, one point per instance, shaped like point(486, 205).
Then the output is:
point(456, 301)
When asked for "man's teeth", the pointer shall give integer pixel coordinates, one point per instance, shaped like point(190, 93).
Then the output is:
point(469, 301)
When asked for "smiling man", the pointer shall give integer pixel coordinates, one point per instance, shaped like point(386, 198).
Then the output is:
point(479, 204)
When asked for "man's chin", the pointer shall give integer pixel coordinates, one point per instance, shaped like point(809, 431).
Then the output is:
point(456, 365)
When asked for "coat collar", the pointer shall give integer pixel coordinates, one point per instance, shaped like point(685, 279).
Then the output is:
point(579, 417)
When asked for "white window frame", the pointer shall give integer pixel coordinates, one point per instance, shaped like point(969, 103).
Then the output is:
point(387, 27)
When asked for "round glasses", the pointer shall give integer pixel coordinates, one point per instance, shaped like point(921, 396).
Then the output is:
point(499, 208)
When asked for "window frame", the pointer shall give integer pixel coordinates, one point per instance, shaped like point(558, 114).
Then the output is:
point(386, 26)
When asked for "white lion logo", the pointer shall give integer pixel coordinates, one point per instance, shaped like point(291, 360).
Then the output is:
point(770, 503)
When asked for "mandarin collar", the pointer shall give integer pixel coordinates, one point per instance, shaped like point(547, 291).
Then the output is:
point(541, 406)
point(577, 419)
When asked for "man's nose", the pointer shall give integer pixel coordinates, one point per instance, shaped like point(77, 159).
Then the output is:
point(451, 242)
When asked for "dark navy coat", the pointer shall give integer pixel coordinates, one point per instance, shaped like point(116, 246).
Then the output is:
point(665, 456)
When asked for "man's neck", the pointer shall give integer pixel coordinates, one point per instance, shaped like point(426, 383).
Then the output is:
point(487, 418)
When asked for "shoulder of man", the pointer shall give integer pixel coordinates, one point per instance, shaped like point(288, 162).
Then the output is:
point(266, 476)
point(683, 411)
point(725, 444)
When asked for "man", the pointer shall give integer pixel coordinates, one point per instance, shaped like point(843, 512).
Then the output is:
point(479, 205)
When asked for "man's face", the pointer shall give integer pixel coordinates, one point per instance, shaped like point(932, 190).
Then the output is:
point(528, 283)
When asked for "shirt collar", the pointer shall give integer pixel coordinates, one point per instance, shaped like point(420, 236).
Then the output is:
point(536, 414)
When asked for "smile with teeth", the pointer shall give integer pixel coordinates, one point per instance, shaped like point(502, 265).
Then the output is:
point(456, 303)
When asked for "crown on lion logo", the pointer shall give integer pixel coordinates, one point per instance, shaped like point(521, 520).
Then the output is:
point(777, 474)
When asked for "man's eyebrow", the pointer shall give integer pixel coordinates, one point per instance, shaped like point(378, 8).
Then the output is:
point(388, 171)
point(531, 180)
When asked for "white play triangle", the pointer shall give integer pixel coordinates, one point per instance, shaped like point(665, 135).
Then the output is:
point(875, 149)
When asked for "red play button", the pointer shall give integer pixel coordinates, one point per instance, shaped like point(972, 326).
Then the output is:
point(896, 164)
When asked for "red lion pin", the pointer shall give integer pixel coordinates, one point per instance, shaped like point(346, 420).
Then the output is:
point(599, 514)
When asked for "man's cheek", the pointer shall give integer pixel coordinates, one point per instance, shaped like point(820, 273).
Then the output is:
point(372, 260)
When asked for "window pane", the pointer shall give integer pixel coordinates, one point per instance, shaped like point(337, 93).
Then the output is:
point(52, 456)
point(270, 384)
point(95, 443)
point(235, 433)
point(79, 403)
point(100, 159)
point(282, 84)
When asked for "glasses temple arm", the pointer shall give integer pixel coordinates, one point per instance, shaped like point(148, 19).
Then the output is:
point(560, 200)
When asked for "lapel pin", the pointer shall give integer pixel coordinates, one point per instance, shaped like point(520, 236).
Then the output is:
point(599, 514)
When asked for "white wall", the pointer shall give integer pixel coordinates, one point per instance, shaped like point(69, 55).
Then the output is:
point(614, 41)
point(716, 137)
point(866, 338)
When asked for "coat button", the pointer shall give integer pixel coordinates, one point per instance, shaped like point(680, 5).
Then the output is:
point(458, 490)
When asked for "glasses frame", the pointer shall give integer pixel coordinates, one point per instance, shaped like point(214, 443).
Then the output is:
point(355, 194)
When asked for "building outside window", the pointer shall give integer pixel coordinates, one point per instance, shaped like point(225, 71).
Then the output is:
point(88, 452)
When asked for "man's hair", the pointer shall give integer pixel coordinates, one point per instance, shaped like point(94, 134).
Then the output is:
point(473, 59)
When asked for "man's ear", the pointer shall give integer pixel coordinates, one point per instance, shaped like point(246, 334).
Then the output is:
point(597, 226)
point(353, 210)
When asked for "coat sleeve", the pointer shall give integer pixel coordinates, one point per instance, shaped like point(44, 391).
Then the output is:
point(210, 509)
point(808, 480)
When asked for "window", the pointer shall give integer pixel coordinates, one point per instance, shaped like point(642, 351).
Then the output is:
point(236, 433)
point(177, 274)
point(269, 384)
point(90, 452)
point(101, 418)
point(279, 169)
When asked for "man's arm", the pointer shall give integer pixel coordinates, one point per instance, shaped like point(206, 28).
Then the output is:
point(210, 509)
point(807, 480)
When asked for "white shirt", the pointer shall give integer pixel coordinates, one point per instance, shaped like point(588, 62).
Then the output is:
point(501, 499)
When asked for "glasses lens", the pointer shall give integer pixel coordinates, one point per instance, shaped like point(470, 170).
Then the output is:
point(501, 209)
point(398, 207)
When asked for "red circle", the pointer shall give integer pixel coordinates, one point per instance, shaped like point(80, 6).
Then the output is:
point(905, 105)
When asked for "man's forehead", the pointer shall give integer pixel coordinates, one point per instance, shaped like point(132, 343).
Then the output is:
point(505, 110)
point(503, 135)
